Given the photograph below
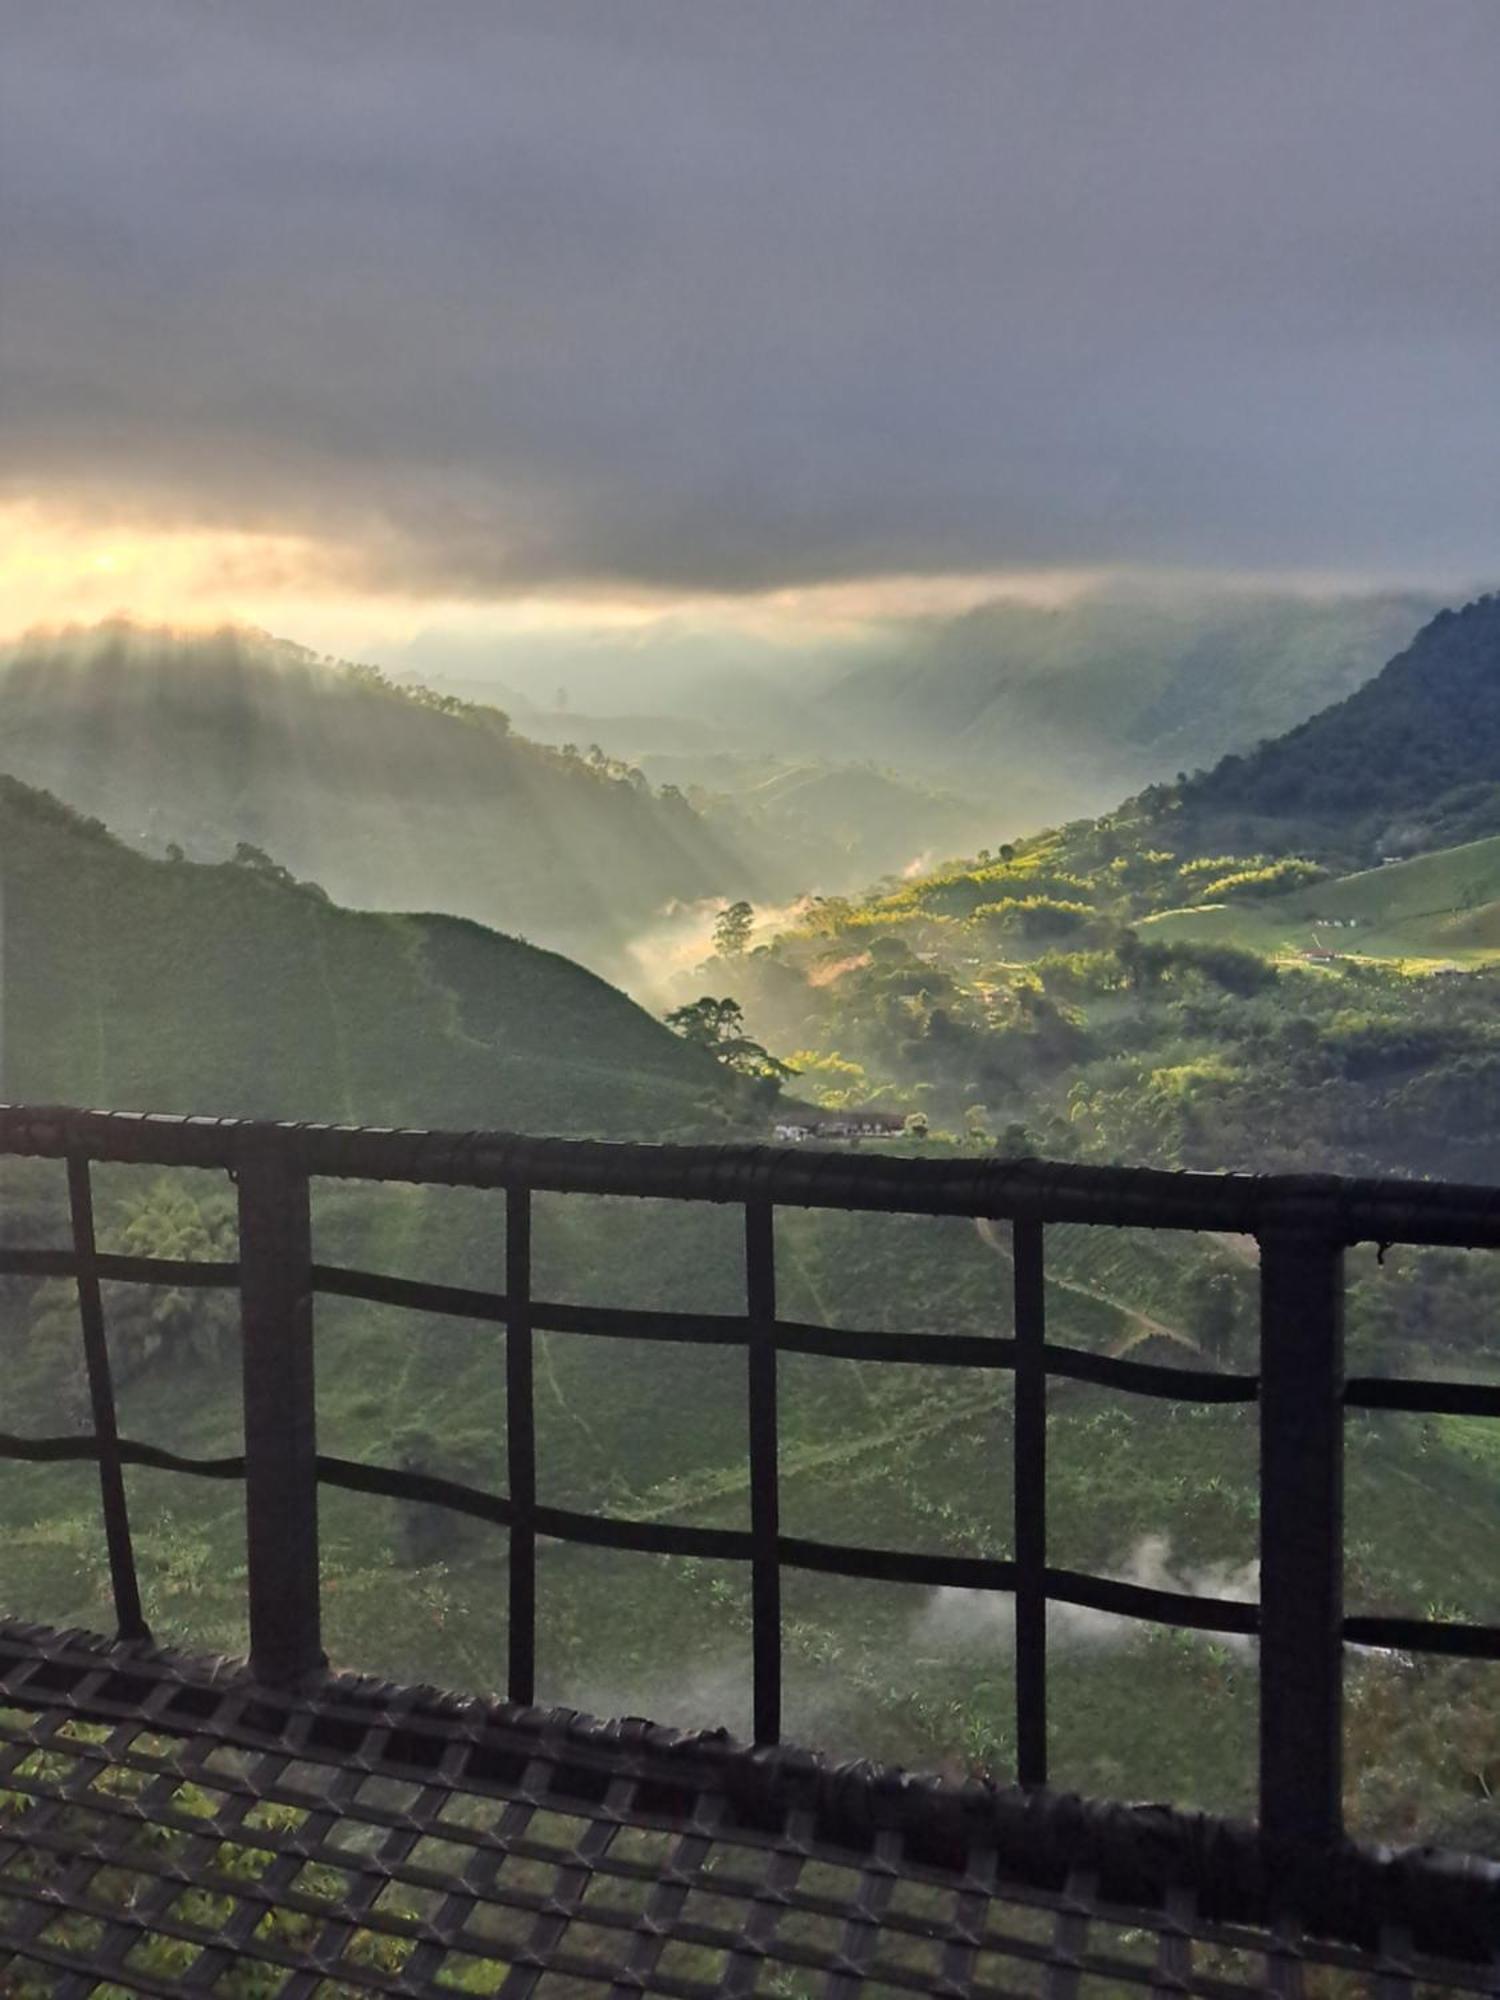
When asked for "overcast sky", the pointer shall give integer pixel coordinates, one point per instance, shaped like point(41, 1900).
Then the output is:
point(463, 301)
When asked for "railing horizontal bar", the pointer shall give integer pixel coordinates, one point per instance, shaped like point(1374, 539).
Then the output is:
point(454, 1301)
point(38, 1264)
point(355, 1476)
point(1146, 1378)
point(1437, 1399)
point(666, 1538)
point(933, 1350)
point(1425, 1635)
point(897, 1565)
point(1128, 1600)
point(1158, 1607)
point(1125, 1600)
point(936, 1350)
point(181, 1272)
point(624, 1323)
point(77, 1448)
point(564, 1524)
point(412, 1294)
point(1347, 1211)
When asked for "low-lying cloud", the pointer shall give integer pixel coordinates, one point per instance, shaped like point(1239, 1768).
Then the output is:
point(482, 299)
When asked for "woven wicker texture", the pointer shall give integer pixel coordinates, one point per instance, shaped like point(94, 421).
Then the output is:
point(170, 1828)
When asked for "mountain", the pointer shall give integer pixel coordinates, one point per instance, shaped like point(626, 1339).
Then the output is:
point(1061, 710)
point(1410, 761)
point(805, 821)
point(832, 828)
point(174, 985)
point(391, 798)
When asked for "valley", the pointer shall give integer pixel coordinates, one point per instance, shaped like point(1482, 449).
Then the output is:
point(1104, 990)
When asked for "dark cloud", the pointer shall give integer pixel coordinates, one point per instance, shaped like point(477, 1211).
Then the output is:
point(726, 296)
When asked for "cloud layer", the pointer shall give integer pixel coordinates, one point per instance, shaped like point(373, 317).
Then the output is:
point(483, 298)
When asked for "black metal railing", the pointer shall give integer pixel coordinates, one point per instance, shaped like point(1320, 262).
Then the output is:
point(1302, 1224)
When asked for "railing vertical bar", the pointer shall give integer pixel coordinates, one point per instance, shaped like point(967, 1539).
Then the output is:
point(127, 1595)
point(765, 1475)
point(281, 1444)
point(1301, 1536)
point(520, 1441)
point(1030, 1503)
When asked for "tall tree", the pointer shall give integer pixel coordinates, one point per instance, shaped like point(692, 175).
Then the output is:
point(719, 1027)
point(732, 929)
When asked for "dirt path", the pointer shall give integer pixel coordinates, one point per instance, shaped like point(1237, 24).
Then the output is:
point(1145, 1326)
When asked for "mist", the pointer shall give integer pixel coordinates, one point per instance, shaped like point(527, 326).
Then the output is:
point(956, 1621)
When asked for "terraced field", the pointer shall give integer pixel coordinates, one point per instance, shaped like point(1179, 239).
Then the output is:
point(1441, 908)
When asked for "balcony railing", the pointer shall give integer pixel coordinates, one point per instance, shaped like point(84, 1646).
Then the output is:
point(1303, 1226)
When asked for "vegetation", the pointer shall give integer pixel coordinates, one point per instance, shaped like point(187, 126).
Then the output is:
point(1406, 762)
point(391, 797)
point(718, 1026)
point(1124, 988)
point(166, 985)
point(1060, 710)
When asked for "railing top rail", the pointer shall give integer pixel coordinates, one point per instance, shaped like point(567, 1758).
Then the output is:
point(1336, 1208)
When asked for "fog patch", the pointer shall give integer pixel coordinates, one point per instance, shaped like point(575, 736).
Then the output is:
point(825, 973)
point(955, 1620)
point(665, 963)
point(713, 1696)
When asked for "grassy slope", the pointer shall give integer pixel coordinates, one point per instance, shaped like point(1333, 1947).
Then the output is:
point(390, 1014)
point(389, 801)
point(1090, 699)
point(1444, 905)
point(1408, 760)
point(172, 986)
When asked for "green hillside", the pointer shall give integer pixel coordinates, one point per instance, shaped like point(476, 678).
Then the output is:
point(1023, 1001)
point(390, 798)
point(1060, 710)
point(836, 827)
point(1409, 761)
point(1443, 906)
point(173, 986)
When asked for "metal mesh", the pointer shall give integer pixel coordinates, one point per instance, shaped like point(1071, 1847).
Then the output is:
point(169, 1827)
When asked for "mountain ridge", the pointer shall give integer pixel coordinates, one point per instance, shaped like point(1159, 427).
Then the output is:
point(170, 985)
point(1408, 762)
point(1068, 708)
point(391, 797)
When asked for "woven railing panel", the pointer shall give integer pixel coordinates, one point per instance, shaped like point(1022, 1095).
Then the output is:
point(167, 1827)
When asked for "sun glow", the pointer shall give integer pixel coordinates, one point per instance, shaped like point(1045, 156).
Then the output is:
point(62, 566)
point(55, 569)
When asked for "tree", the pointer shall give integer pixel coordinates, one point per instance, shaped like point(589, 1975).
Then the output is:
point(246, 855)
point(732, 929)
point(719, 1027)
point(171, 1325)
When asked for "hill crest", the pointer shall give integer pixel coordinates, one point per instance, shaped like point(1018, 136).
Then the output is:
point(1406, 763)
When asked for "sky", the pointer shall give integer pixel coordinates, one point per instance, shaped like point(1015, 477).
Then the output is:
point(366, 319)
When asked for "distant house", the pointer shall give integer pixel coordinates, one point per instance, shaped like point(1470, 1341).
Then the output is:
point(855, 1124)
point(860, 1125)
